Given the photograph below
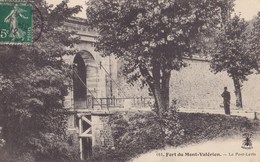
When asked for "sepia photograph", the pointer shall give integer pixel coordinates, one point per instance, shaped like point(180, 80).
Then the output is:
point(129, 80)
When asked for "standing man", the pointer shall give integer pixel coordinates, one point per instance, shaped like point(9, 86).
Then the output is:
point(226, 98)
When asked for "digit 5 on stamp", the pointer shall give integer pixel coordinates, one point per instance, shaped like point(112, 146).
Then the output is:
point(16, 22)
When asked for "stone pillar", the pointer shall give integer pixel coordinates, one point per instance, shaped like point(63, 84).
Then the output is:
point(101, 132)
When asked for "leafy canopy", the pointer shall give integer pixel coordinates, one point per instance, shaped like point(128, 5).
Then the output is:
point(142, 32)
point(254, 40)
point(233, 50)
point(33, 81)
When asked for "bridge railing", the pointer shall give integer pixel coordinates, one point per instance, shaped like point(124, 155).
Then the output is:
point(122, 103)
point(216, 104)
point(148, 102)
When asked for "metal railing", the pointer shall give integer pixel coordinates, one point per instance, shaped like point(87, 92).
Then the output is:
point(122, 103)
point(113, 103)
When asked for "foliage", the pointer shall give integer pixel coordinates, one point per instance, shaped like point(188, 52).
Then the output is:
point(152, 37)
point(2, 142)
point(55, 148)
point(33, 82)
point(196, 127)
point(199, 127)
point(254, 40)
point(232, 54)
point(142, 134)
point(171, 123)
point(133, 133)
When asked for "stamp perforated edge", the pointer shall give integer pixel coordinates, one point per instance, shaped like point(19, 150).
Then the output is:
point(19, 43)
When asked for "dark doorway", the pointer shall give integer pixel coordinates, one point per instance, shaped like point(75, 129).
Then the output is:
point(79, 82)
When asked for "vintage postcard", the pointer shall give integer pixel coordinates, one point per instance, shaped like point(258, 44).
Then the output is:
point(130, 80)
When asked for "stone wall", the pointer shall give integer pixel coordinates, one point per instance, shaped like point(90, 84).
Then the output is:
point(195, 86)
point(99, 70)
point(73, 141)
point(101, 131)
point(101, 137)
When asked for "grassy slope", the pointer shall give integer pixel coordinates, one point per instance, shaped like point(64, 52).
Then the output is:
point(137, 133)
point(199, 126)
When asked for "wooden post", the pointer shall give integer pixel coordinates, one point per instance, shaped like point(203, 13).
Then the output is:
point(80, 125)
point(92, 101)
point(107, 100)
point(81, 149)
point(80, 140)
point(114, 101)
point(255, 118)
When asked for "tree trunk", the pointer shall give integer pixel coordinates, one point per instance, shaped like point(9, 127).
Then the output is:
point(159, 85)
point(238, 93)
point(157, 88)
point(149, 80)
point(166, 75)
point(158, 82)
point(161, 101)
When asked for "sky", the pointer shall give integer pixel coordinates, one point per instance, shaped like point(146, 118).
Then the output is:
point(247, 8)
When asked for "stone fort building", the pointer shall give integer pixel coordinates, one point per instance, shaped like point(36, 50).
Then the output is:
point(91, 88)
point(98, 89)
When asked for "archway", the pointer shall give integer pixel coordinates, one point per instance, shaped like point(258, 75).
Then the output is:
point(91, 77)
point(84, 90)
point(79, 83)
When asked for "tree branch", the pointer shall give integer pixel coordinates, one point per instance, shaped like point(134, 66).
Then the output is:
point(150, 81)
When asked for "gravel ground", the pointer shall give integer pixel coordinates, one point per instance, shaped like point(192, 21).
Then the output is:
point(218, 150)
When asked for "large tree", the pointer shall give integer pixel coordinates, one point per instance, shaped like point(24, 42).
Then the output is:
point(152, 37)
point(254, 40)
point(33, 83)
point(232, 54)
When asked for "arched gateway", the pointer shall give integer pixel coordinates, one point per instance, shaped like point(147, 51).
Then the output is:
point(85, 80)
point(87, 122)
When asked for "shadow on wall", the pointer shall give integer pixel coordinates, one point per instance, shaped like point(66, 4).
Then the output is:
point(196, 86)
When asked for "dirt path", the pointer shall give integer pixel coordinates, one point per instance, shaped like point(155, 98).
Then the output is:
point(218, 150)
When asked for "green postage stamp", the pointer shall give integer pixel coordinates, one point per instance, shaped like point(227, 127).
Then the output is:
point(16, 22)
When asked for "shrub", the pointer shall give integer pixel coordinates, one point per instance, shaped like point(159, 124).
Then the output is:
point(201, 126)
point(53, 148)
point(133, 133)
point(172, 128)
point(136, 133)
